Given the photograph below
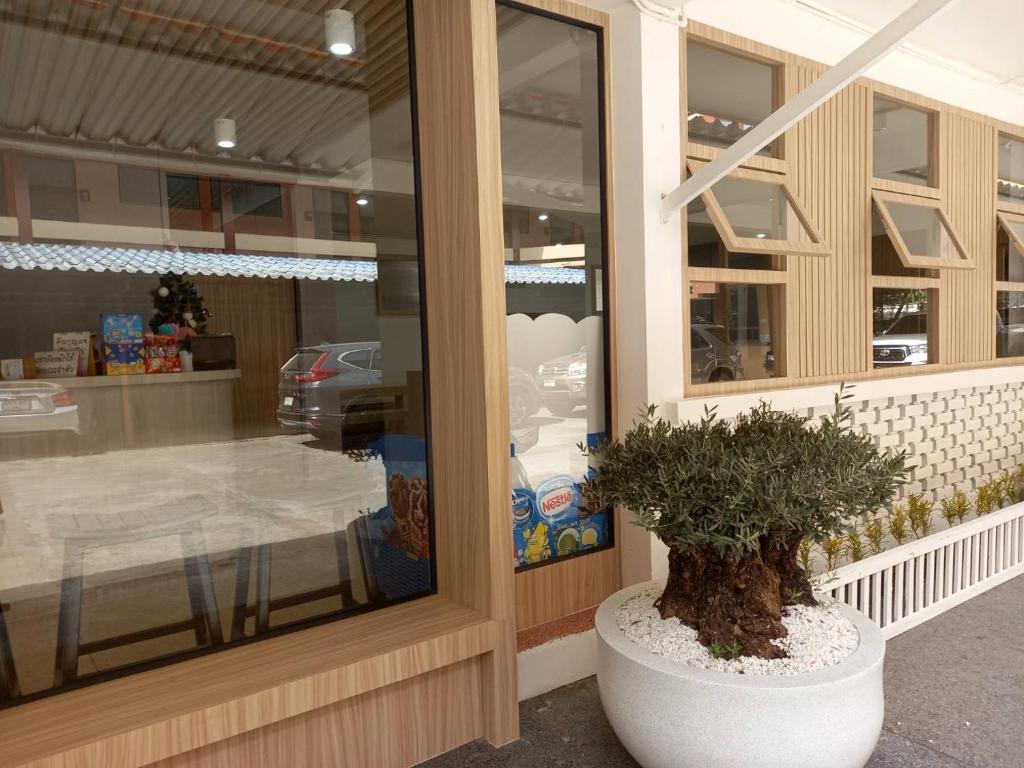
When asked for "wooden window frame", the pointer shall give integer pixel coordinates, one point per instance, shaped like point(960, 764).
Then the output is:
point(931, 189)
point(710, 151)
point(1002, 205)
point(816, 247)
point(881, 198)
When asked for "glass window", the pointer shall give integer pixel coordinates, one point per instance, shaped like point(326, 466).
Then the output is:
point(902, 139)
point(551, 79)
point(272, 472)
point(1010, 183)
point(734, 332)
point(885, 259)
point(1010, 248)
point(706, 248)
point(726, 94)
point(920, 232)
point(756, 212)
point(1010, 323)
point(901, 329)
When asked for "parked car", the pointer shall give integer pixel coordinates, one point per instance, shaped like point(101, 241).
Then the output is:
point(713, 354)
point(36, 406)
point(904, 342)
point(329, 391)
point(523, 398)
point(1009, 338)
point(562, 382)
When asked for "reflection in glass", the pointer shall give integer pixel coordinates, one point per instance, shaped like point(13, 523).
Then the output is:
point(734, 332)
point(212, 406)
point(706, 248)
point(726, 95)
point(551, 80)
point(922, 230)
point(900, 323)
point(885, 259)
point(759, 209)
point(1009, 259)
point(1010, 323)
point(901, 142)
point(1010, 183)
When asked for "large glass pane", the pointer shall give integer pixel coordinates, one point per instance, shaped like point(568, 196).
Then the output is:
point(1010, 184)
point(902, 142)
point(885, 259)
point(759, 209)
point(900, 322)
point(1009, 259)
point(734, 332)
point(1010, 323)
point(726, 95)
point(922, 230)
point(705, 247)
point(212, 407)
point(551, 81)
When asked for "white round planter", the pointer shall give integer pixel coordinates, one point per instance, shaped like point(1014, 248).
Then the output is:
point(670, 715)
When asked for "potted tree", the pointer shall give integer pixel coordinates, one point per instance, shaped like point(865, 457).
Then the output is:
point(733, 500)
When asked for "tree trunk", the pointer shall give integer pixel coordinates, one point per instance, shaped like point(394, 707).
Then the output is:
point(732, 601)
point(782, 553)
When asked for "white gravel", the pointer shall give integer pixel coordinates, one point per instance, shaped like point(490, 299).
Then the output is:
point(819, 637)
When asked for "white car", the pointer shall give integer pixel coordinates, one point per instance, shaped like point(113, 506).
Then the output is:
point(905, 342)
point(36, 406)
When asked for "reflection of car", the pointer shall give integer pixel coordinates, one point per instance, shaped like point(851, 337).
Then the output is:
point(713, 356)
point(904, 342)
point(328, 388)
point(562, 382)
point(523, 400)
point(1009, 337)
point(36, 406)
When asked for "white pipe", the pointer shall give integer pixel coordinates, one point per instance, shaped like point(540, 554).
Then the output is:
point(805, 102)
point(660, 12)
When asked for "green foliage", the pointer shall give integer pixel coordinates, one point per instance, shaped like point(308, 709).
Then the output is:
point(919, 515)
point(719, 651)
point(956, 507)
point(874, 532)
point(898, 521)
point(997, 491)
point(833, 548)
point(983, 502)
point(726, 485)
point(804, 553)
point(1012, 490)
point(855, 545)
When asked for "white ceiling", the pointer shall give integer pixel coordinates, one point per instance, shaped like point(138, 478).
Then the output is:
point(981, 37)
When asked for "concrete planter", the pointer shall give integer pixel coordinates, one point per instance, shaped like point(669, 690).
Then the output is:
point(669, 715)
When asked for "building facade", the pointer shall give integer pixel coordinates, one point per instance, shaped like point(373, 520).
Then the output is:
point(307, 308)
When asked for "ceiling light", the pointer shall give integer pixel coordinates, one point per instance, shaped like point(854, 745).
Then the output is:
point(340, 30)
point(762, 235)
point(543, 217)
point(224, 132)
point(362, 201)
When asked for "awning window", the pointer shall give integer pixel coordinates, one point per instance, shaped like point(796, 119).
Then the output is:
point(920, 232)
point(756, 212)
point(50, 256)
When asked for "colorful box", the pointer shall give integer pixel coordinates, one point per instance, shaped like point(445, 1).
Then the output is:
point(124, 358)
point(121, 328)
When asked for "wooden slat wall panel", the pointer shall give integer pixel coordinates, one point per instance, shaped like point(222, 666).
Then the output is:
point(828, 164)
point(967, 152)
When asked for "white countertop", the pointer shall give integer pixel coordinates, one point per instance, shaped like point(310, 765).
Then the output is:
point(140, 379)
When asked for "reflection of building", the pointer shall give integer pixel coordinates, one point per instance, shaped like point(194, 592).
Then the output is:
point(310, 537)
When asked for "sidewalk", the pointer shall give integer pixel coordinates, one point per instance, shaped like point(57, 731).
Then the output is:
point(954, 698)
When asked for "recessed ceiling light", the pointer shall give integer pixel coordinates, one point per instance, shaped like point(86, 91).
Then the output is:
point(224, 132)
point(362, 201)
point(762, 234)
point(543, 217)
point(340, 31)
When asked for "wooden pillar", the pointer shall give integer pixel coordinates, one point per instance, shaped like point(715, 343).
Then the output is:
point(460, 144)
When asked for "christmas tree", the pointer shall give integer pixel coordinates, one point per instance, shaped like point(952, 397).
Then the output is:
point(177, 302)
